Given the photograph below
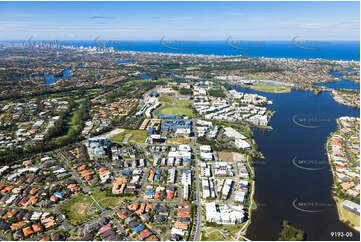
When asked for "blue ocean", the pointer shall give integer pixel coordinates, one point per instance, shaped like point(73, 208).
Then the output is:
point(333, 50)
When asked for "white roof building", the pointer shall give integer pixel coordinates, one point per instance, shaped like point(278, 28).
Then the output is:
point(223, 216)
point(206, 156)
point(186, 177)
point(242, 144)
point(180, 154)
point(184, 148)
point(231, 133)
point(205, 148)
point(351, 206)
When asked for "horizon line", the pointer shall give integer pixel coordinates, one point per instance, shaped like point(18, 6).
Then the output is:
point(180, 40)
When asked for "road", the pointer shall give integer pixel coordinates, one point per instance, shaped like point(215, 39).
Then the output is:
point(120, 228)
point(196, 181)
point(75, 175)
point(348, 154)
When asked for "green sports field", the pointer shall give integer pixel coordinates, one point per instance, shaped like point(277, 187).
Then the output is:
point(175, 110)
point(271, 88)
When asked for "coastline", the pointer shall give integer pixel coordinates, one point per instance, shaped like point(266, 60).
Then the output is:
point(168, 52)
point(253, 204)
point(239, 55)
point(336, 96)
point(335, 197)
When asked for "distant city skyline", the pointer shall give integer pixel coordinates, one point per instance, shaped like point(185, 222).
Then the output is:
point(179, 20)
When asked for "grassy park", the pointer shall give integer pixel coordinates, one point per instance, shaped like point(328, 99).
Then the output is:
point(271, 88)
point(221, 232)
point(213, 236)
point(175, 110)
point(136, 136)
point(166, 99)
point(82, 207)
point(185, 102)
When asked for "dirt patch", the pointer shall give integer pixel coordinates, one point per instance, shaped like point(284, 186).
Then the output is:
point(110, 133)
point(81, 208)
point(178, 141)
point(225, 156)
point(231, 156)
point(237, 157)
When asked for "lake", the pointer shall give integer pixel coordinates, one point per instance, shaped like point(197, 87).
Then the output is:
point(342, 83)
point(279, 183)
point(51, 78)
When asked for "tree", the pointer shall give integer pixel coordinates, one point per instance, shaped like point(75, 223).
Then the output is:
point(185, 91)
point(216, 93)
point(290, 233)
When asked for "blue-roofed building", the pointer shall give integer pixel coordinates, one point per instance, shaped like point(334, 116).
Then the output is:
point(139, 228)
point(59, 194)
point(150, 130)
point(125, 172)
point(174, 124)
point(187, 160)
point(149, 192)
point(156, 178)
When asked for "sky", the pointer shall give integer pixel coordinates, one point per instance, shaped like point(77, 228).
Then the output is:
point(179, 20)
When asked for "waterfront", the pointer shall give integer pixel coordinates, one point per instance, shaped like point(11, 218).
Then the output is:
point(342, 83)
point(51, 78)
point(280, 184)
point(332, 50)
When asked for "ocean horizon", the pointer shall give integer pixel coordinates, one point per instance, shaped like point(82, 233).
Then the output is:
point(327, 49)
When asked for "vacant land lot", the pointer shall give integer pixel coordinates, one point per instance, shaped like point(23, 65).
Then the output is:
point(187, 102)
point(213, 236)
point(136, 136)
point(225, 156)
point(271, 88)
point(346, 215)
point(178, 141)
point(175, 110)
point(221, 232)
point(166, 99)
point(118, 137)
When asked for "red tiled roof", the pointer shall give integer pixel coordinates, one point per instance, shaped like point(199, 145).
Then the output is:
point(144, 234)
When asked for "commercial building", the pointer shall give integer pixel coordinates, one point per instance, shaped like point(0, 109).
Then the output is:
point(351, 206)
point(223, 214)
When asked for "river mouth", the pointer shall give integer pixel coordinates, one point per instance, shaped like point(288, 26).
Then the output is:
point(285, 190)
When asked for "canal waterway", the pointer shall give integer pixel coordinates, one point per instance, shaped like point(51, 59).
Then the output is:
point(284, 191)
